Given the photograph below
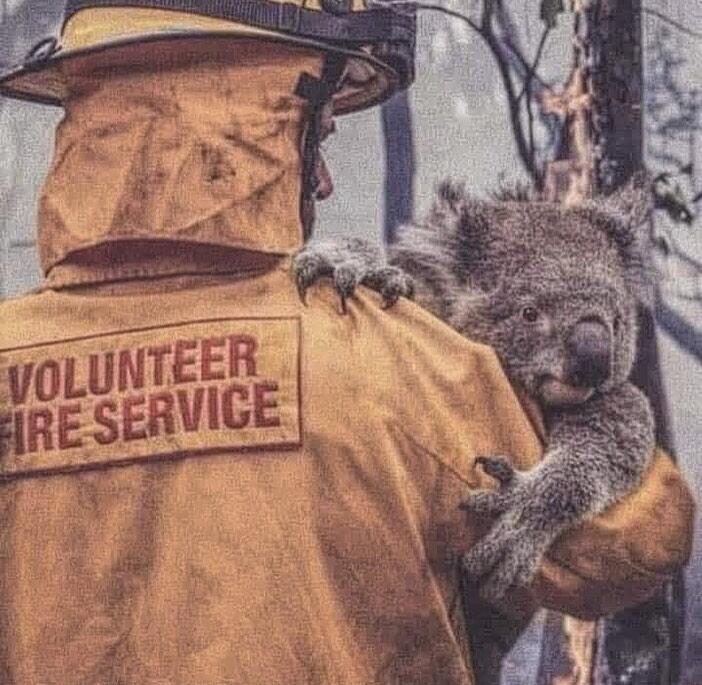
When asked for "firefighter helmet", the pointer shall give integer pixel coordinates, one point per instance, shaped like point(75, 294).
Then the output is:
point(376, 43)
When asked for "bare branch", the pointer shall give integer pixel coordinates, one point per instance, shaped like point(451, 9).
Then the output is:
point(526, 153)
point(526, 90)
point(669, 20)
point(689, 261)
point(531, 72)
point(680, 274)
point(510, 61)
point(432, 8)
point(488, 13)
point(516, 58)
point(686, 335)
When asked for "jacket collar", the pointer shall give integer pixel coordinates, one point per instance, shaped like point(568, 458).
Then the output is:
point(203, 153)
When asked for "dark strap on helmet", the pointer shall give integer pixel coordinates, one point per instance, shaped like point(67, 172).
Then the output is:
point(372, 26)
point(317, 91)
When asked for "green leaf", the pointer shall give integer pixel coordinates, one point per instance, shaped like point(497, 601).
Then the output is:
point(550, 9)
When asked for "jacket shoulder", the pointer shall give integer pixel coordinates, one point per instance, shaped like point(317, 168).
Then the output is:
point(22, 315)
point(449, 392)
point(48, 316)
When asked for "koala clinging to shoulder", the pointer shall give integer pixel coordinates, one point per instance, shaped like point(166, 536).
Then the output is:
point(554, 291)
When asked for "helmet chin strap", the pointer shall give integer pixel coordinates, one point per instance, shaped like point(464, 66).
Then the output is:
point(318, 92)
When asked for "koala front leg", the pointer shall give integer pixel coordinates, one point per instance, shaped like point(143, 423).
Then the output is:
point(350, 262)
point(511, 552)
point(596, 454)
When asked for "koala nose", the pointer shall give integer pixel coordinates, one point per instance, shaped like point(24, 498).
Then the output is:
point(589, 348)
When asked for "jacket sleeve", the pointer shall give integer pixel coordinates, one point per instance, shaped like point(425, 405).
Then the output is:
point(621, 557)
point(464, 406)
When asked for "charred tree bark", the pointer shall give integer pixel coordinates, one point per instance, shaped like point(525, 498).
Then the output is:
point(641, 646)
point(601, 106)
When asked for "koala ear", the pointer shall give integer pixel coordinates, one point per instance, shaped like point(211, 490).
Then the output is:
point(461, 220)
point(451, 199)
point(623, 215)
point(630, 206)
point(441, 249)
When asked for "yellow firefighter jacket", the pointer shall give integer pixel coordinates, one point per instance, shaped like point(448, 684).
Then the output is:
point(205, 482)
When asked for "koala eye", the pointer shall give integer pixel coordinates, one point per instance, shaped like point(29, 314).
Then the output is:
point(530, 314)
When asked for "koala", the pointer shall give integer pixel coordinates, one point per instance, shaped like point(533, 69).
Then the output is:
point(555, 292)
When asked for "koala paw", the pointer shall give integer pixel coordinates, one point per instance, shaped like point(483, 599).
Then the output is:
point(494, 501)
point(511, 552)
point(350, 263)
point(506, 558)
point(391, 282)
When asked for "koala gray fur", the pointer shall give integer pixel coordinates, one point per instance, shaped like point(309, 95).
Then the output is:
point(554, 290)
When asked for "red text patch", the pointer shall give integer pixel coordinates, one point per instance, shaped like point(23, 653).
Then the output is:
point(198, 387)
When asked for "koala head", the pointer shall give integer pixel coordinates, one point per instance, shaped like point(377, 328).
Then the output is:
point(553, 289)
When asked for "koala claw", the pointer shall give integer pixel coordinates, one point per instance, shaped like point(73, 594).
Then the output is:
point(499, 468)
point(494, 501)
point(346, 279)
point(351, 265)
point(309, 267)
point(392, 284)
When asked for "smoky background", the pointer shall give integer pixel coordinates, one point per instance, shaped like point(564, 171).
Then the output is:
point(455, 121)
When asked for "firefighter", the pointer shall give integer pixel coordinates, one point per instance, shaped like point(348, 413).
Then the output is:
point(203, 480)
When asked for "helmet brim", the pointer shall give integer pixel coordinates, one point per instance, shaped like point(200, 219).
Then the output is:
point(369, 82)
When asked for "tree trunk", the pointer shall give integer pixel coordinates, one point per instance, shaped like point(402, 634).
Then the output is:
point(399, 163)
point(602, 109)
point(643, 645)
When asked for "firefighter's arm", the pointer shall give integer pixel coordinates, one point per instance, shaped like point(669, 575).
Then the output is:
point(622, 556)
point(465, 407)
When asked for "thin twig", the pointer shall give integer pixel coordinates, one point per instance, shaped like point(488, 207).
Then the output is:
point(669, 20)
point(488, 12)
point(523, 149)
point(505, 54)
point(432, 8)
point(526, 89)
point(685, 334)
point(478, 28)
point(532, 143)
point(675, 251)
point(519, 63)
